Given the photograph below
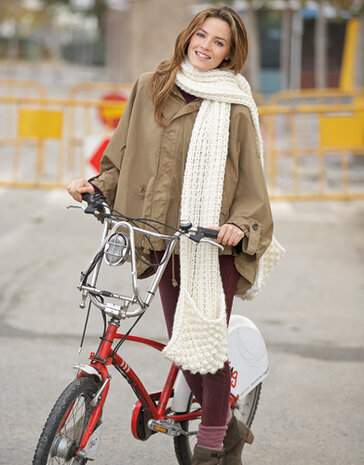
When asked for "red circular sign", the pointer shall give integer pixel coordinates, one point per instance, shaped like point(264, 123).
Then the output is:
point(111, 114)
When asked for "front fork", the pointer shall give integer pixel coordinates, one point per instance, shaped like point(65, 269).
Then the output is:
point(98, 368)
point(91, 437)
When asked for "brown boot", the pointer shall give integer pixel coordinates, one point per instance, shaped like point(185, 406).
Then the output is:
point(204, 456)
point(237, 435)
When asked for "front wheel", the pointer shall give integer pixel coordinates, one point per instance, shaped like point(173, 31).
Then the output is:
point(66, 423)
point(244, 410)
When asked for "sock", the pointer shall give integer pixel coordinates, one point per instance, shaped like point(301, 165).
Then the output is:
point(211, 437)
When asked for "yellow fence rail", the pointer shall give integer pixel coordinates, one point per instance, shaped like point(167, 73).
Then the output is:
point(312, 151)
point(92, 90)
point(329, 96)
point(22, 87)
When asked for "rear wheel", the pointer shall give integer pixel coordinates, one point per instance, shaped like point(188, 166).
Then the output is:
point(246, 407)
point(66, 423)
point(244, 410)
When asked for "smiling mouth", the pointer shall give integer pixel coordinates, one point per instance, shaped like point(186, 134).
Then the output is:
point(202, 55)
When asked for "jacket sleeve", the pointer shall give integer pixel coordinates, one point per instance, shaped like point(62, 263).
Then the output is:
point(250, 209)
point(112, 158)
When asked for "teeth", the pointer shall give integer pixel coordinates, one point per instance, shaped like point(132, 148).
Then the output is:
point(202, 55)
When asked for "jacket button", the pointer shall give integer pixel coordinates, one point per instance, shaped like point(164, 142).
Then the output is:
point(255, 226)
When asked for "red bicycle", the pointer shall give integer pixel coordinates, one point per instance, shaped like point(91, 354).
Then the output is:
point(72, 431)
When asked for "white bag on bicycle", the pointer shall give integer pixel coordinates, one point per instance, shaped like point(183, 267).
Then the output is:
point(248, 360)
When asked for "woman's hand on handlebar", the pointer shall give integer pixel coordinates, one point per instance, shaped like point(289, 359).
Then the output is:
point(229, 234)
point(78, 187)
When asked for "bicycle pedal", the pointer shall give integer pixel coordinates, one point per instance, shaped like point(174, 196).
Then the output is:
point(169, 427)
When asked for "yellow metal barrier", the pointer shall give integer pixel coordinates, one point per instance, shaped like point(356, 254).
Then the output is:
point(23, 88)
point(33, 152)
point(108, 113)
point(321, 124)
point(312, 151)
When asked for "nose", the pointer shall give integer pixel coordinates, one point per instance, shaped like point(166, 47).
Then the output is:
point(206, 44)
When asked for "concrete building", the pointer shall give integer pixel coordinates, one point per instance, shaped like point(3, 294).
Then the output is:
point(141, 34)
point(290, 46)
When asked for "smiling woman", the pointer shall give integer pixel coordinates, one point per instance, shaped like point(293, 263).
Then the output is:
point(210, 44)
point(198, 159)
point(220, 23)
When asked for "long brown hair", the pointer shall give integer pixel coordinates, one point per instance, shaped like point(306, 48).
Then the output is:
point(162, 81)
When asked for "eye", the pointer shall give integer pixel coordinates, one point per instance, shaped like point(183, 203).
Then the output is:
point(200, 34)
point(219, 43)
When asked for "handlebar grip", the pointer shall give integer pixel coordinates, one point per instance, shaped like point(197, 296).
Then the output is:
point(86, 197)
point(206, 232)
point(202, 233)
point(94, 202)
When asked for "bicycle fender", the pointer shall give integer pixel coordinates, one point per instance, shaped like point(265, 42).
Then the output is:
point(88, 370)
point(247, 355)
point(248, 359)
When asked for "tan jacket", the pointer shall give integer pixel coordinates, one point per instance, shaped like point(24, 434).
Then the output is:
point(142, 174)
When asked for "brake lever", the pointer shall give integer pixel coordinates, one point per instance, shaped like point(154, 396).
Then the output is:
point(208, 241)
point(76, 206)
point(197, 237)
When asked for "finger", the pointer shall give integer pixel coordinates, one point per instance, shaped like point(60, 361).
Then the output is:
point(224, 235)
point(88, 189)
point(231, 235)
point(74, 185)
point(77, 196)
point(236, 237)
point(234, 240)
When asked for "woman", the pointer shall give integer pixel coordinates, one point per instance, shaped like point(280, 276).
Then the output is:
point(188, 146)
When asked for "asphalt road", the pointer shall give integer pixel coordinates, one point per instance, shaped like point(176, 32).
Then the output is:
point(310, 314)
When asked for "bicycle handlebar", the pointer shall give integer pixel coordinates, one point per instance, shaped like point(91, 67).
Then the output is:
point(97, 201)
point(126, 251)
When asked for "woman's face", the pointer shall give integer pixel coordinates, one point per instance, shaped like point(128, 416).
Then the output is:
point(210, 44)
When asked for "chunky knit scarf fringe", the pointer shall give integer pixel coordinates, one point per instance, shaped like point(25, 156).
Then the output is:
point(199, 339)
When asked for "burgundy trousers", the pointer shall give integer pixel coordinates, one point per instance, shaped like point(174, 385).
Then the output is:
point(212, 391)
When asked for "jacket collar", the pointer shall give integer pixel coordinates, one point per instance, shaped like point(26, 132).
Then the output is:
point(182, 108)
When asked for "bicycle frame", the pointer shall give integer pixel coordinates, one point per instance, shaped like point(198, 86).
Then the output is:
point(147, 400)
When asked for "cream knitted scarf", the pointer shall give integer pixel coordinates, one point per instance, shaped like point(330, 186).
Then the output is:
point(199, 339)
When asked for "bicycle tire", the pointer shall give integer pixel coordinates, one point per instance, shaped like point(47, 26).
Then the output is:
point(75, 401)
point(244, 410)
